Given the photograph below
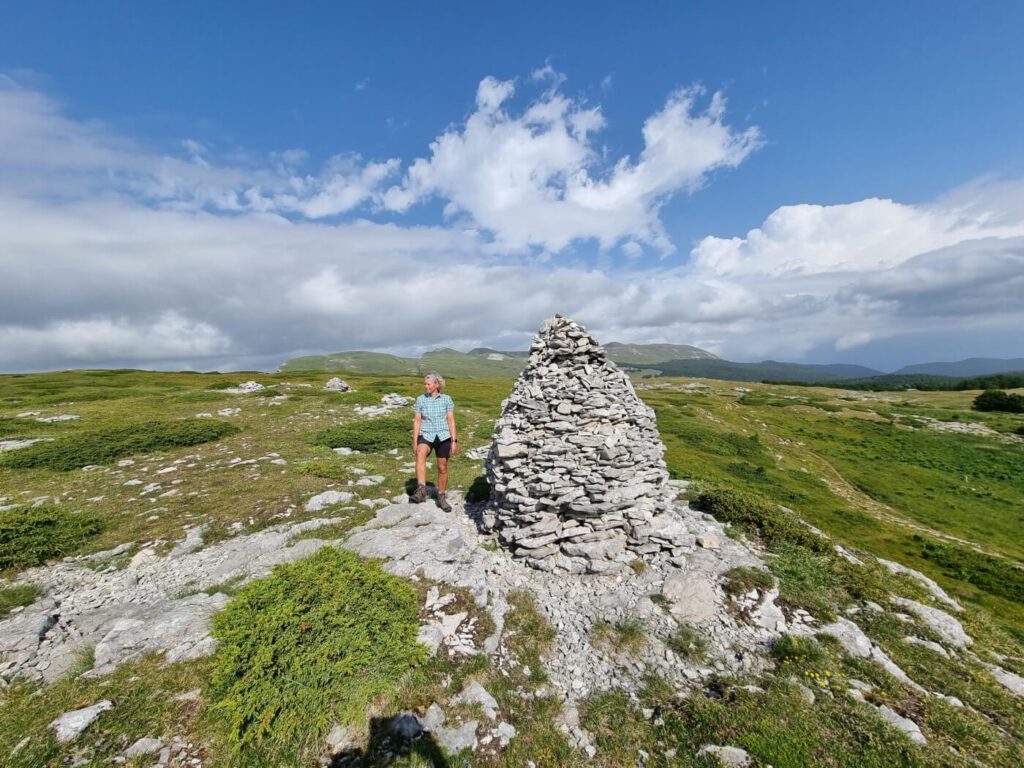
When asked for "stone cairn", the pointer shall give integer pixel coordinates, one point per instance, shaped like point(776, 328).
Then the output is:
point(577, 478)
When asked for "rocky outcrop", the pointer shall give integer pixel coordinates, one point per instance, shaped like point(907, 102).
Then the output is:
point(576, 471)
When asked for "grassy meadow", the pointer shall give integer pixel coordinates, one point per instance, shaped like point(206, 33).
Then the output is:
point(867, 469)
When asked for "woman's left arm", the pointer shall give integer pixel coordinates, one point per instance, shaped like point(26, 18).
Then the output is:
point(451, 430)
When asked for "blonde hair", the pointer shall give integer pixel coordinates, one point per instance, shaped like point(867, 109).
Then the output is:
point(437, 379)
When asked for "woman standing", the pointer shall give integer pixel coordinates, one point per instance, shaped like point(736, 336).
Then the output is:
point(433, 429)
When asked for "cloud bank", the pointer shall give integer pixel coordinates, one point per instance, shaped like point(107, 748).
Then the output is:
point(113, 253)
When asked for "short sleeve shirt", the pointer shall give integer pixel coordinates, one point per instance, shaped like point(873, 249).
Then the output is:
point(434, 412)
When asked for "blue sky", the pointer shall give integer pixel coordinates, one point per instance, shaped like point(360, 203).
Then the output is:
point(824, 184)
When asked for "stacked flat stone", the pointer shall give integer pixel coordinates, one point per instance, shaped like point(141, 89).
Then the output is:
point(577, 478)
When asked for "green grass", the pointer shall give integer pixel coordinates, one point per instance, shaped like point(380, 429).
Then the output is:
point(103, 445)
point(32, 535)
point(312, 644)
point(17, 596)
point(869, 474)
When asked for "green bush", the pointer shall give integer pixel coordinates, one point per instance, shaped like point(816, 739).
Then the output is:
point(30, 536)
point(997, 400)
point(760, 518)
point(101, 446)
point(314, 643)
point(369, 435)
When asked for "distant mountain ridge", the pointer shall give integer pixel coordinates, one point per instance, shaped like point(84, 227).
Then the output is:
point(972, 366)
point(481, 361)
point(659, 359)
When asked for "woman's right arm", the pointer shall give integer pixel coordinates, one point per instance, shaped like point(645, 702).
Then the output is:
point(416, 429)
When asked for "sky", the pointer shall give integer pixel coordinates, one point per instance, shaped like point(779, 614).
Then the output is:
point(224, 186)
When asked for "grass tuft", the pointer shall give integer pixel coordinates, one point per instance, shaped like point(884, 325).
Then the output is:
point(627, 636)
point(688, 643)
point(742, 579)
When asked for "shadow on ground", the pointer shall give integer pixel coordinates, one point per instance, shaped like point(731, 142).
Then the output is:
point(391, 739)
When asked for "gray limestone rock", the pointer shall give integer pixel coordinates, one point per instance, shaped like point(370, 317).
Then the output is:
point(733, 757)
point(454, 740)
point(474, 693)
point(71, 724)
point(909, 727)
point(144, 746)
point(948, 628)
point(327, 498)
point(336, 384)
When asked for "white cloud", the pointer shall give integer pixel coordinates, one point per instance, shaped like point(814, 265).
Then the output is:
point(536, 178)
point(115, 252)
point(169, 335)
point(866, 235)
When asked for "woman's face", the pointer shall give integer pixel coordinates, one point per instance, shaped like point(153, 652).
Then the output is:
point(430, 386)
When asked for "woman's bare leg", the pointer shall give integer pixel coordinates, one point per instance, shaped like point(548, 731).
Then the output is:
point(422, 451)
point(442, 475)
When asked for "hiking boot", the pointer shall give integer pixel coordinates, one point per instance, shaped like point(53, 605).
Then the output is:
point(420, 494)
point(443, 503)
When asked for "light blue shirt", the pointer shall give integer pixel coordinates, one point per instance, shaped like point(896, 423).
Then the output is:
point(434, 416)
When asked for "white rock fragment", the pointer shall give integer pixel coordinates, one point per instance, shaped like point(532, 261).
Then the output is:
point(245, 388)
point(732, 757)
point(144, 746)
point(909, 727)
point(71, 724)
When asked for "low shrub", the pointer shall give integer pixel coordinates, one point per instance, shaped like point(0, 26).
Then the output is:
point(369, 435)
point(30, 536)
point(758, 517)
point(997, 400)
point(314, 643)
point(101, 446)
point(742, 579)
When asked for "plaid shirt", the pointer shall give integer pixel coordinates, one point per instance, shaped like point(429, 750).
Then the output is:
point(434, 412)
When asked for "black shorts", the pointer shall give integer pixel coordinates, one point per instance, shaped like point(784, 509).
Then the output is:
point(443, 448)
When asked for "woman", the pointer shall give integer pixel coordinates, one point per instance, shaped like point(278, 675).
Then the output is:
point(433, 429)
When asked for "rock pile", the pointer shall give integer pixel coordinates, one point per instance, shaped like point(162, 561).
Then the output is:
point(577, 478)
point(336, 384)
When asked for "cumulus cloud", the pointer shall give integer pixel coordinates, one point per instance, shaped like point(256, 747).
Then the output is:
point(536, 178)
point(114, 252)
